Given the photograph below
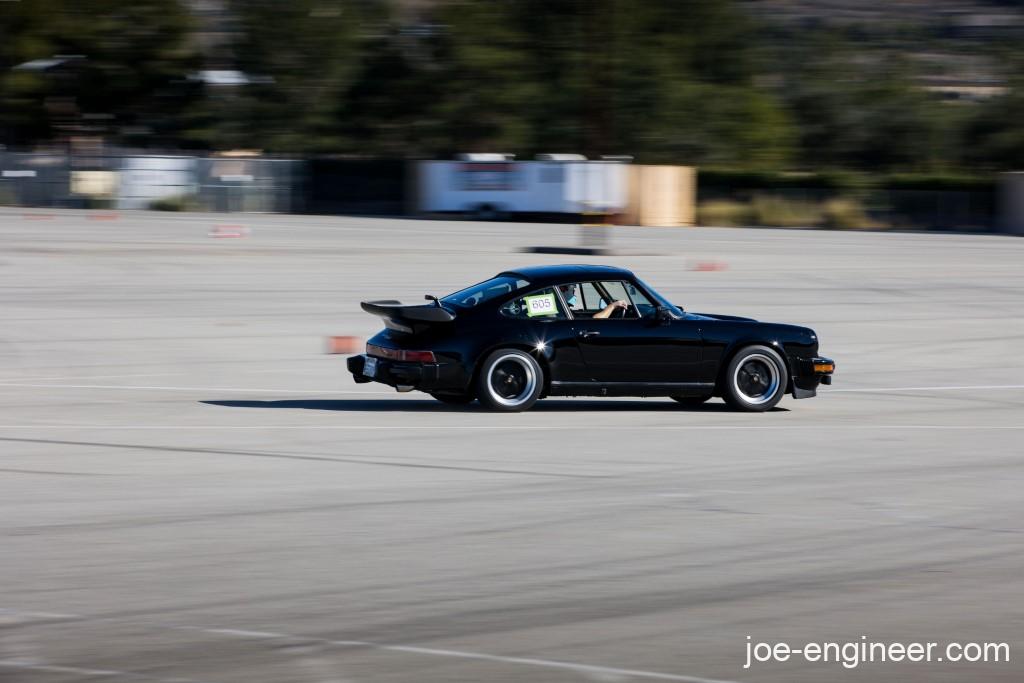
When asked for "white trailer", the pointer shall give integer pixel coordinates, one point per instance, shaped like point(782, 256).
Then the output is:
point(148, 178)
point(492, 185)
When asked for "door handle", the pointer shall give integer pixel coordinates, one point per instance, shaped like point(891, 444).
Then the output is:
point(583, 334)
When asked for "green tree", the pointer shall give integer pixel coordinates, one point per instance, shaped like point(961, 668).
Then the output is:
point(662, 81)
point(994, 138)
point(299, 56)
point(857, 108)
point(125, 75)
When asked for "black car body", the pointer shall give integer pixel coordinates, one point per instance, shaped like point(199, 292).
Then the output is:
point(538, 331)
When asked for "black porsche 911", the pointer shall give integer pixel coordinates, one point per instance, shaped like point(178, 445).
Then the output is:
point(583, 330)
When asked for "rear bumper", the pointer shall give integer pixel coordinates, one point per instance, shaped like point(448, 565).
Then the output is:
point(401, 375)
point(808, 373)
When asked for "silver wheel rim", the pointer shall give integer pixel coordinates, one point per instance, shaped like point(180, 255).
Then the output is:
point(756, 379)
point(511, 380)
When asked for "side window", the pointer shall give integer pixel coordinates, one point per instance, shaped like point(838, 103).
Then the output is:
point(643, 304)
point(592, 299)
point(616, 290)
point(583, 298)
point(540, 305)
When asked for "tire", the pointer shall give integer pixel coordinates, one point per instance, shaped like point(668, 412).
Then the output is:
point(755, 379)
point(509, 381)
point(455, 399)
point(692, 401)
point(487, 212)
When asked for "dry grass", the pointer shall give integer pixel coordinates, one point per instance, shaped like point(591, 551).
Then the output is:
point(776, 212)
point(725, 213)
point(846, 214)
point(786, 213)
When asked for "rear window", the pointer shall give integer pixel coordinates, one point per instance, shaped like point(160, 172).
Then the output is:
point(485, 291)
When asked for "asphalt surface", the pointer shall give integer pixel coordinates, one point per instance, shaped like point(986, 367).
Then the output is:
point(191, 490)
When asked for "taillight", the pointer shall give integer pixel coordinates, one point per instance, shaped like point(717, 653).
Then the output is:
point(400, 354)
point(417, 356)
point(381, 352)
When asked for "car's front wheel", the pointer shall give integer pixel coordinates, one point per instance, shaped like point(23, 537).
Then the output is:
point(510, 380)
point(755, 379)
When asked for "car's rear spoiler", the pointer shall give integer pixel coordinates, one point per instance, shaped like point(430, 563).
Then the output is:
point(408, 319)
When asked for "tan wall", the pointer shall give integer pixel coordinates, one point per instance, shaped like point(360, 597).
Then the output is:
point(662, 196)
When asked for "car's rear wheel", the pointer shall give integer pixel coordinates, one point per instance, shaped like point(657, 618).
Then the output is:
point(755, 379)
point(510, 381)
point(455, 399)
point(691, 400)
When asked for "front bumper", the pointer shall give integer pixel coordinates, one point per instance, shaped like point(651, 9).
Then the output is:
point(401, 375)
point(808, 373)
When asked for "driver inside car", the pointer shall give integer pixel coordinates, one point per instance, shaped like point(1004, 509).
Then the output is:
point(571, 300)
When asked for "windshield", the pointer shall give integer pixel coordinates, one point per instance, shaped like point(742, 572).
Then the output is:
point(485, 291)
point(662, 301)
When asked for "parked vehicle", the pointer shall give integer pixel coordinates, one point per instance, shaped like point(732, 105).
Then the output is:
point(492, 186)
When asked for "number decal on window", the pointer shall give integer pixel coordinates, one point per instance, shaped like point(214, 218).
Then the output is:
point(542, 304)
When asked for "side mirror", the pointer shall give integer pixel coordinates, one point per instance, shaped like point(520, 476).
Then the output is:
point(664, 315)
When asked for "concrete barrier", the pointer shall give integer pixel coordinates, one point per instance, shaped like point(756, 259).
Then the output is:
point(1011, 203)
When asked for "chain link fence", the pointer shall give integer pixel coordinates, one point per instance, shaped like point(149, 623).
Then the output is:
point(35, 180)
point(144, 181)
point(253, 185)
point(126, 180)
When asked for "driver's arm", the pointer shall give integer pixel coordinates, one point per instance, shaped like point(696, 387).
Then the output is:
point(607, 310)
